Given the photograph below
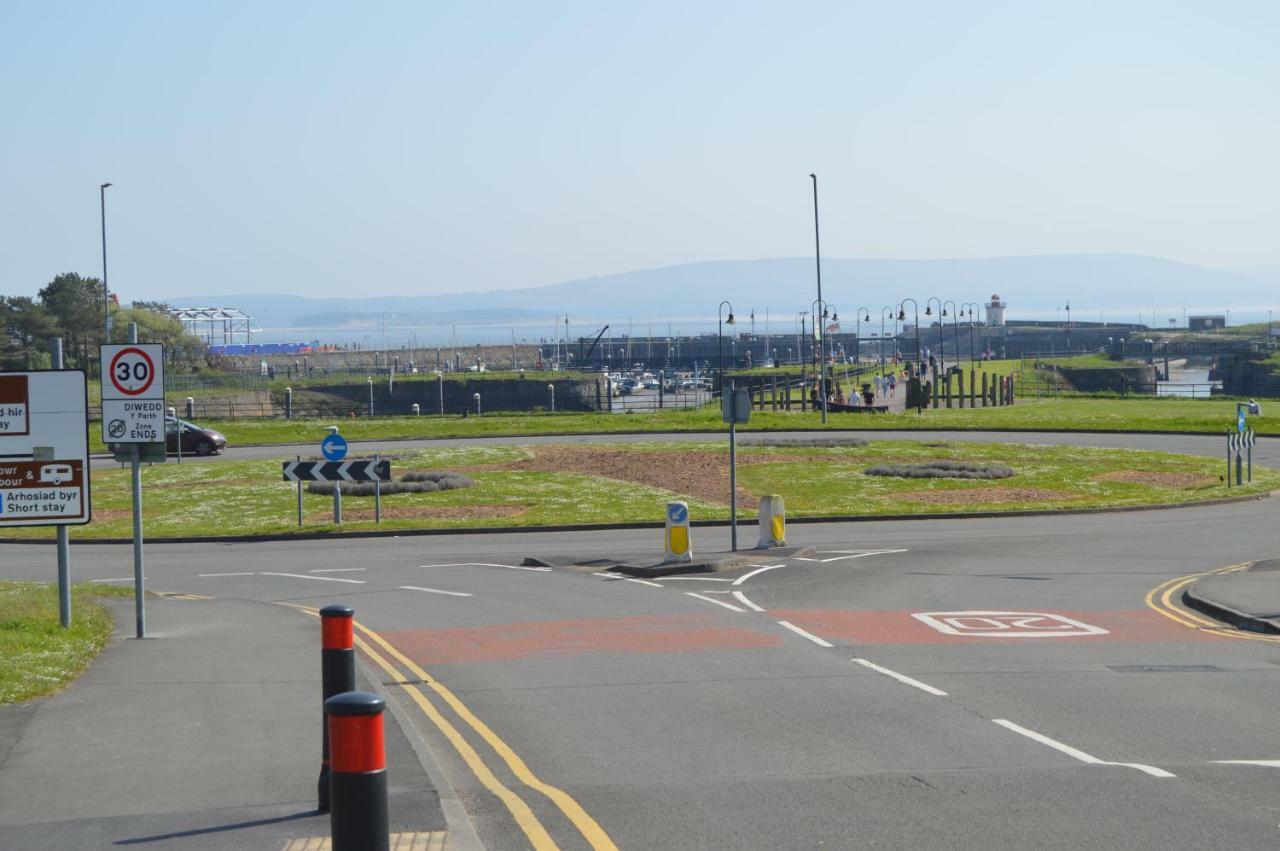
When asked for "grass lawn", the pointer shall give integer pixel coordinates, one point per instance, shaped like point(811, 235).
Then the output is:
point(1166, 414)
point(558, 484)
point(38, 656)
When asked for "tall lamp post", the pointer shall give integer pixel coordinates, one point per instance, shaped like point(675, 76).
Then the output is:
point(973, 352)
point(955, 326)
point(883, 312)
point(817, 258)
point(106, 295)
point(862, 314)
point(720, 323)
point(942, 340)
point(820, 330)
point(902, 317)
point(1069, 326)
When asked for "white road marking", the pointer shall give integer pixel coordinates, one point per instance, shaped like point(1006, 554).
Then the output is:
point(800, 632)
point(694, 579)
point(1078, 754)
point(843, 555)
point(742, 598)
point(1265, 763)
point(730, 606)
point(487, 564)
point(336, 569)
point(308, 576)
point(121, 579)
point(616, 576)
point(435, 591)
point(983, 624)
point(744, 577)
point(902, 678)
point(249, 573)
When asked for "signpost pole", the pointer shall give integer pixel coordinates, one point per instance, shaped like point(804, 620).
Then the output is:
point(64, 542)
point(135, 477)
point(733, 485)
point(299, 458)
point(377, 496)
point(1249, 445)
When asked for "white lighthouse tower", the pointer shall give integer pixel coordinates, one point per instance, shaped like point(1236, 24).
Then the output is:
point(995, 312)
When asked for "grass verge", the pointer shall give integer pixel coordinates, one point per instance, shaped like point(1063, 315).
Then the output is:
point(629, 483)
point(38, 656)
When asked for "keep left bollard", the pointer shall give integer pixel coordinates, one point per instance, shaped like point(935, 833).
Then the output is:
point(773, 522)
point(337, 675)
point(358, 817)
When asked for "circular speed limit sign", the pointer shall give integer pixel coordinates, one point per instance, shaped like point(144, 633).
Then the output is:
point(132, 371)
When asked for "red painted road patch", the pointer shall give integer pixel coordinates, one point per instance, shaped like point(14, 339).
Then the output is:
point(903, 628)
point(509, 642)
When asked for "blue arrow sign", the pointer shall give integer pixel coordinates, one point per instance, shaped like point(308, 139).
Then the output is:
point(1240, 420)
point(334, 447)
point(677, 512)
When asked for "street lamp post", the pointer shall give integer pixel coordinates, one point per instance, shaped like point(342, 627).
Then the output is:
point(972, 347)
point(902, 316)
point(820, 331)
point(817, 257)
point(883, 311)
point(942, 341)
point(955, 326)
point(1069, 327)
point(862, 314)
point(106, 295)
point(720, 323)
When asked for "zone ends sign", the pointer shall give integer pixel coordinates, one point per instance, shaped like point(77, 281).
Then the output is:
point(133, 393)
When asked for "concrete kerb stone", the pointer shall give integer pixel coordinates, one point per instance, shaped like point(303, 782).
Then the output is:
point(606, 527)
point(646, 568)
point(1206, 595)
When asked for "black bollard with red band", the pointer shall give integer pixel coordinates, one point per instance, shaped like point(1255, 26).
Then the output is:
point(337, 675)
point(358, 775)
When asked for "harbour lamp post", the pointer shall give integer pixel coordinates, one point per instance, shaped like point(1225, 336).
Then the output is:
point(800, 315)
point(883, 312)
point(942, 341)
point(720, 323)
point(955, 326)
point(973, 354)
point(862, 314)
point(820, 329)
point(1069, 326)
point(902, 317)
point(106, 295)
point(817, 258)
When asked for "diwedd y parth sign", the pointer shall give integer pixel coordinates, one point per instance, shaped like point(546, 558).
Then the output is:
point(44, 449)
point(133, 393)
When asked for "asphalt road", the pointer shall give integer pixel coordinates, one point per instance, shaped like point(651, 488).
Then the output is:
point(861, 695)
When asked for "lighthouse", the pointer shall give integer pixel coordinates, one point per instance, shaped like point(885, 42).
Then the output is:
point(995, 312)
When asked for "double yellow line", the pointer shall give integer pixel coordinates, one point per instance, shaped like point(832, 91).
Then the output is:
point(524, 816)
point(1161, 599)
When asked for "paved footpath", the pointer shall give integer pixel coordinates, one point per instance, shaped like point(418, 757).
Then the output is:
point(206, 737)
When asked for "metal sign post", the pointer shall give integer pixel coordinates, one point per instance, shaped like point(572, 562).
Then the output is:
point(44, 457)
point(334, 448)
point(133, 413)
point(735, 407)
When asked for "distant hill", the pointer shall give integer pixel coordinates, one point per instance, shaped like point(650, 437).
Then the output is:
point(1119, 284)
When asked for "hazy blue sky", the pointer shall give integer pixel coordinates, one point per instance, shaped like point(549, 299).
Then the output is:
point(324, 148)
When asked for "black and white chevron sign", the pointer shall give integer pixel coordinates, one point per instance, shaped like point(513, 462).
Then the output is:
point(1250, 439)
point(1234, 441)
point(337, 471)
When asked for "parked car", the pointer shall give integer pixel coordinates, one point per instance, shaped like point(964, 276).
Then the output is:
point(196, 440)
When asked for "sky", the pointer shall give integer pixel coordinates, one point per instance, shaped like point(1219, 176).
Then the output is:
point(387, 148)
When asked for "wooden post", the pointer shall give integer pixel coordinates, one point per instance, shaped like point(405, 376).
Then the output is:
point(984, 389)
point(960, 382)
point(773, 393)
point(948, 390)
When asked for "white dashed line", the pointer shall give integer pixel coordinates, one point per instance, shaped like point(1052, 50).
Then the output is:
point(435, 591)
point(317, 578)
point(1265, 763)
point(121, 579)
point(746, 576)
point(1078, 754)
point(742, 598)
point(730, 606)
point(615, 576)
point(249, 573)
point(902, 678)
point(336, 570)
point(800, 632)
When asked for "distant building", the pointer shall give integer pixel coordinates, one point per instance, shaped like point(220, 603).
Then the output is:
point(1206, 323)
point(995, 312)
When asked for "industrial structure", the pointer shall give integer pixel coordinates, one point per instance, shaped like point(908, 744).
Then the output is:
point(215, 325)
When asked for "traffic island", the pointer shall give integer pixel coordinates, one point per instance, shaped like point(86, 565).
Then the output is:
point(649, 566)
point(1248, 599)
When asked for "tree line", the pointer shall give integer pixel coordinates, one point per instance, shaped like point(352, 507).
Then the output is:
point(74, 308)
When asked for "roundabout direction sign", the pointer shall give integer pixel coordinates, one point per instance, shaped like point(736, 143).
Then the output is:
point(334, 447)
point(133, 393)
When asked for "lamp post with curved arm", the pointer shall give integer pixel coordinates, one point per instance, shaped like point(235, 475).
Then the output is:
point(902, 317)
point(820, 328)
point(971, 305)
point(942, 341)
point(720, 323)
point(883, 311)
point(862, 314)
point(955, 326)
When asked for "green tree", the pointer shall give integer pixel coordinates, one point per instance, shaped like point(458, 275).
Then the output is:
point(26, 328)
point(75, 303)
point(180, 348)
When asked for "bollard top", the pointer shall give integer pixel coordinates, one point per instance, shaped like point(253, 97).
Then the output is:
point(337, 610)
point(355, 703)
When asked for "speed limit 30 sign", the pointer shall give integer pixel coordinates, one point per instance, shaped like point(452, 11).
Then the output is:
point(133, 393)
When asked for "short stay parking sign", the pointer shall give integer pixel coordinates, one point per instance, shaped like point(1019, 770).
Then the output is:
point(133, 393)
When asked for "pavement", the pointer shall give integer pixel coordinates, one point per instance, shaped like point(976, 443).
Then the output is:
point(994, 682)
point(204, 735)
point(1248, 598)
